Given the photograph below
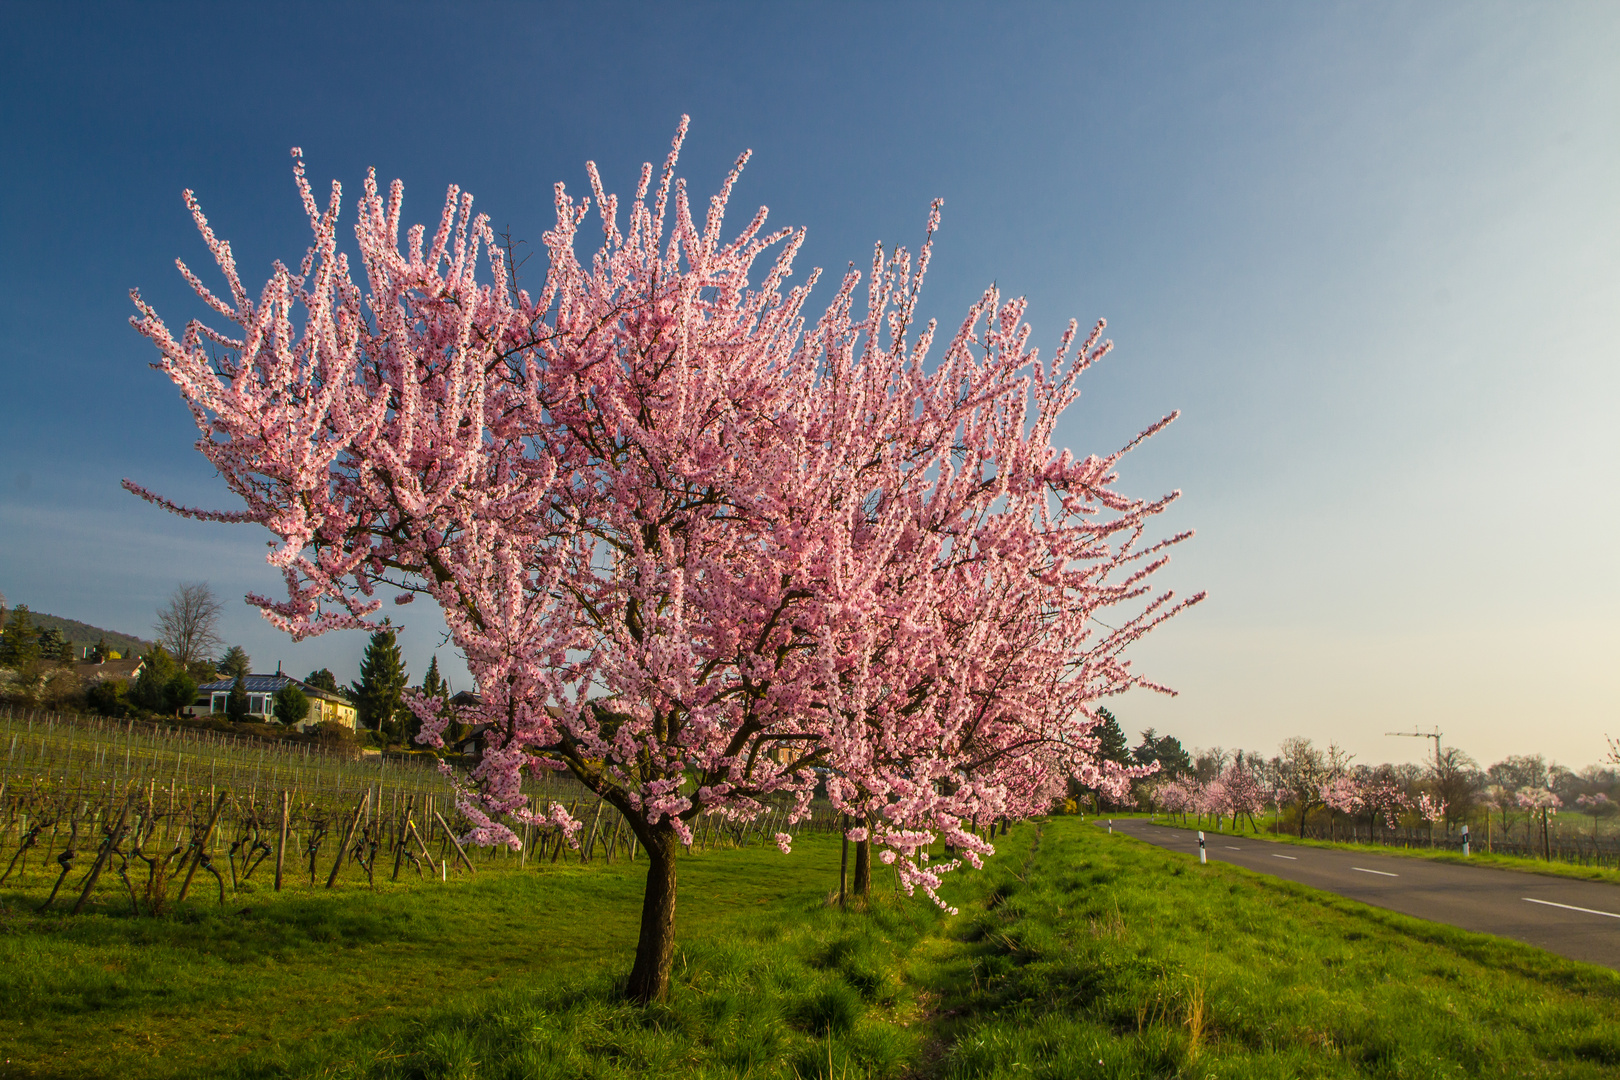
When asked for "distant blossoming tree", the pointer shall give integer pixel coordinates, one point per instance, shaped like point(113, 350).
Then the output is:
point(697, 548)
point(1343, 795)
point(1543, 802)
point(1242, 793)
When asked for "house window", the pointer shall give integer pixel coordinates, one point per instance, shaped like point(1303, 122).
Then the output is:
point(218, 703)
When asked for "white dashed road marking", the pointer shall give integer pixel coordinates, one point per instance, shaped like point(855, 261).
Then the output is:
point(1380, 873)
point(1290, 858)
point(1570, 907)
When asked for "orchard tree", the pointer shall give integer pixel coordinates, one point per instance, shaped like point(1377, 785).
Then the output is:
point(697, 548)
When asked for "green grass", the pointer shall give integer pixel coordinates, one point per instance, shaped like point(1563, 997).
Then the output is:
point(1106, 957)
point(1076, 954)
point(1556, 868)
point(305, 984)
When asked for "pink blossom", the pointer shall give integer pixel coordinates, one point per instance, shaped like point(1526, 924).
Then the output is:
point(698, 545)
point(1538, 799)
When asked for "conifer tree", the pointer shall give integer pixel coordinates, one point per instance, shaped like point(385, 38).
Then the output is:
point(324, 680)
point(432, 683)
point(235, 663)
point(19, 646)
point(379, 694)
point(292, 705)
point(236, 706)
point(1111, 742)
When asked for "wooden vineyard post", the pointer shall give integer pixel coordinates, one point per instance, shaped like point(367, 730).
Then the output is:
point(457, 843)
point(196, 856)
point(281, 844)
point(348, 834)
point(400, 840)
point(410, 827)
point(111, 842)
point(590, 843)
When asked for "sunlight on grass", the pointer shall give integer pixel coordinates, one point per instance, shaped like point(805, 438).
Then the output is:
point(1076, 954)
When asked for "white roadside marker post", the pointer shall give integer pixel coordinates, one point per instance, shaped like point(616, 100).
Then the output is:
point(1110, 826)
point(1465, 841)
point(1202, 856)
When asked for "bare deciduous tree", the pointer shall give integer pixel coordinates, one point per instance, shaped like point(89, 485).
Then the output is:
point(188, 624)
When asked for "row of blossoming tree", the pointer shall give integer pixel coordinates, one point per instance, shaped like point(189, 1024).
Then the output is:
point(704, 550)
point(1305, 787)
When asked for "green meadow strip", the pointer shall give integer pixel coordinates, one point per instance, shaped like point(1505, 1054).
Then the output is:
point(1075, 954)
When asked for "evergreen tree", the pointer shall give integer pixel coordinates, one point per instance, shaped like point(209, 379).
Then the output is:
point(1147, 751)
point(151, 685)
point(432, 684)
point(109, 697)
point(179, 692)
point(236, 706)
point(102, 652)
point(163, 686)
point(19, 645)
point(292, 705)
point(235, 663)
point(1173, 759)
point(52, 645)
point(324, 680)
point(382, 683)
point(1111, 739)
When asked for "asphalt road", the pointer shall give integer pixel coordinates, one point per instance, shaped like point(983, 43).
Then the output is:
point(1577, 919)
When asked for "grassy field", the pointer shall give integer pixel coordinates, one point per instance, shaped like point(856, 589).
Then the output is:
point(1075, 954)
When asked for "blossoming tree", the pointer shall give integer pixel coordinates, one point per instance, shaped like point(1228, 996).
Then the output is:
point(698, 549)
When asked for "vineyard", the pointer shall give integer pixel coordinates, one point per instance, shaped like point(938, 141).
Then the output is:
point(150, 815)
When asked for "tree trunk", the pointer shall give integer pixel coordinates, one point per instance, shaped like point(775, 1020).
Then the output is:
point(862, 885)
point(655, 951)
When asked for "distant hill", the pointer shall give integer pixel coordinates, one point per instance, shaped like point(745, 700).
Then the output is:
point(83, 634)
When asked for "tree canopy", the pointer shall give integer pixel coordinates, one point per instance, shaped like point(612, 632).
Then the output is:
point(699, 547)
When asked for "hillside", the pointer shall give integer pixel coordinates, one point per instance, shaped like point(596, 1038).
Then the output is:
point(83, 634)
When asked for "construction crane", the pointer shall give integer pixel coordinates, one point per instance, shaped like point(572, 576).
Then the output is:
point(1435, 735)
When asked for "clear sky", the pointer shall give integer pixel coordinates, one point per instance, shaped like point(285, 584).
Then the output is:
point(1372, 251)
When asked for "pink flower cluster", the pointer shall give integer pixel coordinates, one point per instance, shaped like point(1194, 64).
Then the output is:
point(1237, 791)
point(698, 547)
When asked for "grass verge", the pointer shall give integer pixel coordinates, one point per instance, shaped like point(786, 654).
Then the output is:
point(1076, 954)
point(1478, 858)
point(1106, 958)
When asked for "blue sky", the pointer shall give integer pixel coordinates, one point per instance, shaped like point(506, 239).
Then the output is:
point(1372, 252)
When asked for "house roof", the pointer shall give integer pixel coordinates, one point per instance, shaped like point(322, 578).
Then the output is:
point(110, 669)
point(270, 684)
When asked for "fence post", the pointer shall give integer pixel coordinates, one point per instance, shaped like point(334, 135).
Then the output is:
point(348, 834)
point(208, 834)
point(281, 844)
